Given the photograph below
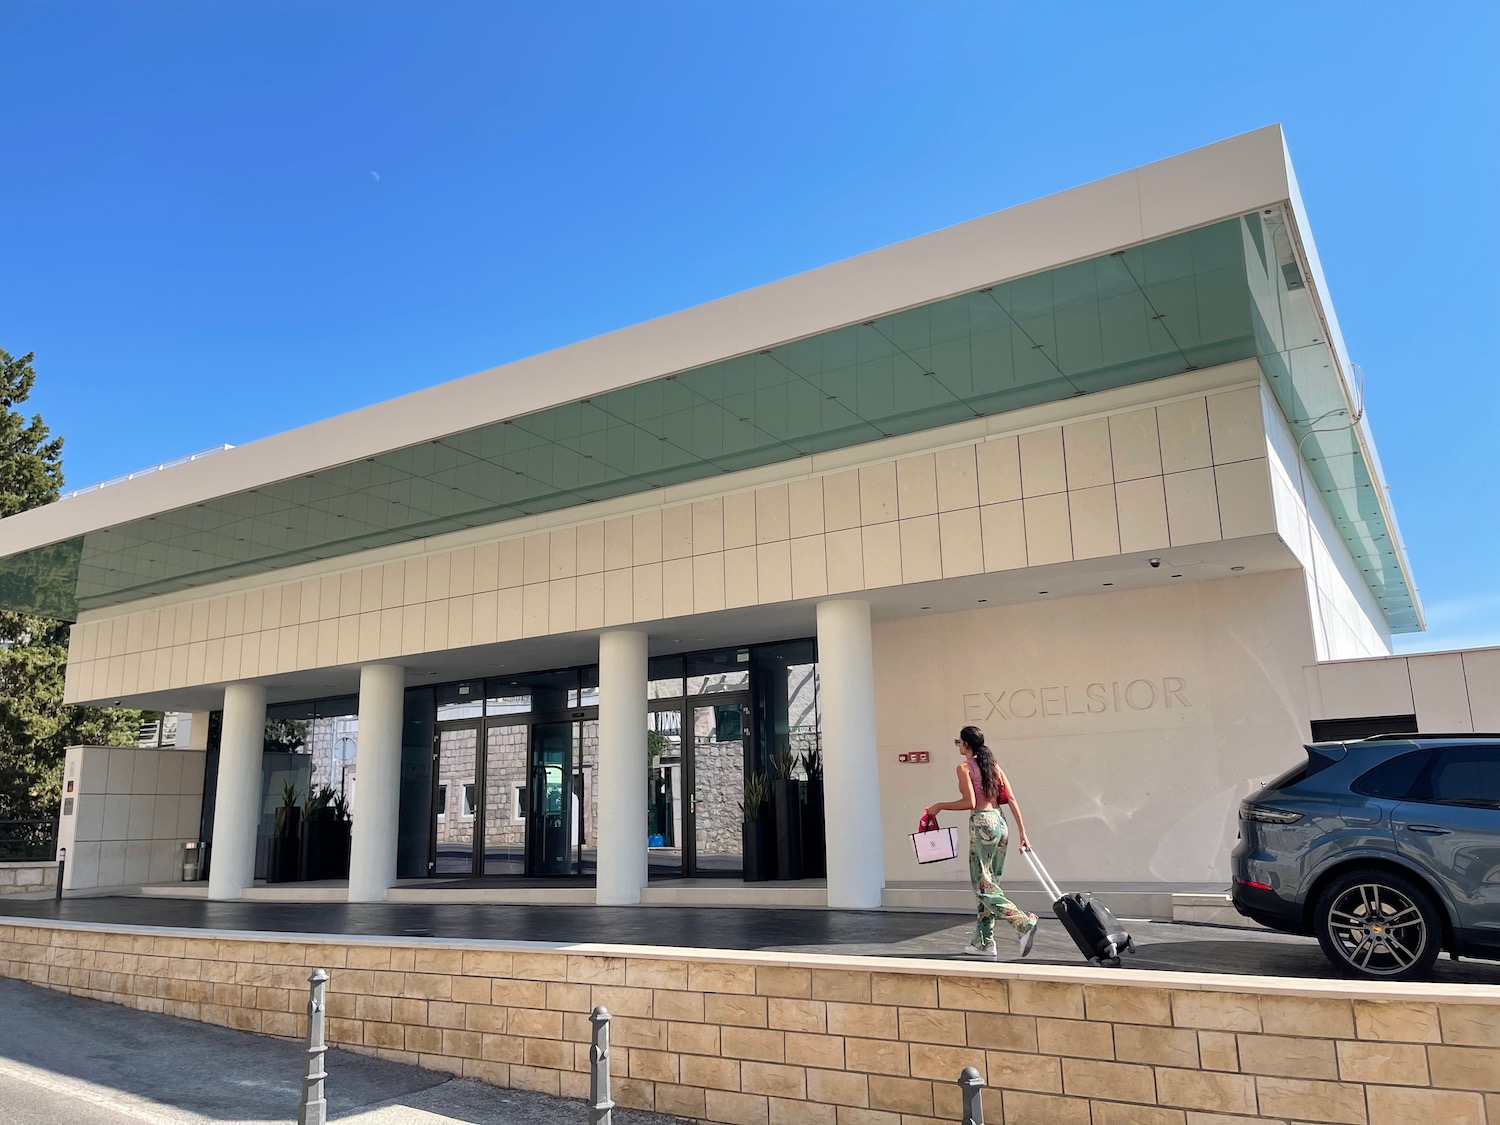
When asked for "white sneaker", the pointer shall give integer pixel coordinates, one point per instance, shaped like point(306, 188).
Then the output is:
point(972, 950)
point(1029, 938)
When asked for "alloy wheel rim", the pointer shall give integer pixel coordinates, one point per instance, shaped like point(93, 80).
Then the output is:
point(1377, 929)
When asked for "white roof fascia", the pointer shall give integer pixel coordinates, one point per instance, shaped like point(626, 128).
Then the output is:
point(1205, 185)
point(1323, 300)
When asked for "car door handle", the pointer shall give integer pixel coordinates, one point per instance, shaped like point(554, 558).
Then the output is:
point(1429, 830)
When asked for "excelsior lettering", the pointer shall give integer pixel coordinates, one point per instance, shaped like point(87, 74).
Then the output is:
point(1101, 697)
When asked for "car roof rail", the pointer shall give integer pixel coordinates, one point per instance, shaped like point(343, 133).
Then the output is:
point(1424, 737)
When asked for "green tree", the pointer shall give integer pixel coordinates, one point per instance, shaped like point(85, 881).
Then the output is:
point(36, 727)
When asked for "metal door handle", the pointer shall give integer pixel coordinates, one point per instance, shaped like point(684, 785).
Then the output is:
point(1429, 830)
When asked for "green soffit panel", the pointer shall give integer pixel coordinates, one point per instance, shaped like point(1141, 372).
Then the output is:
point(1210, 296)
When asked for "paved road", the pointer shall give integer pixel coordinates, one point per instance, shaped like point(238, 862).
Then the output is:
point(1185, 948)
point(69, 1061)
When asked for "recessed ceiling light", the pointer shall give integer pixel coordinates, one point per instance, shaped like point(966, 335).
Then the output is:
point(1109, 583)
point(1044, 591)
point(1176, 576)
point(1236, 568)
point(983, 600)
point(925, 607)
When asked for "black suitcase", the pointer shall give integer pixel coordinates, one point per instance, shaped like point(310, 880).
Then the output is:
point(1096, 931)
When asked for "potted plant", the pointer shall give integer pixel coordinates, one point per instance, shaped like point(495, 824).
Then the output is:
point(753, 844)
point(786, 814)
point(317, 816)
point(339, 834)
point(282, 852)
point(814, 831)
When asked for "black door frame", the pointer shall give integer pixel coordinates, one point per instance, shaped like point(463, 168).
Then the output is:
point(685, 706)
point(575, 716)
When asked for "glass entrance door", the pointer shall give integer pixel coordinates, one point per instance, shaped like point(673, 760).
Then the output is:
point(665, 807)
point(455, 799)
point(717, 769)
point(551, 817)
point(506, 747)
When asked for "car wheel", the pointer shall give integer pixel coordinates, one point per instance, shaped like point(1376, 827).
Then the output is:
point(1378, 925)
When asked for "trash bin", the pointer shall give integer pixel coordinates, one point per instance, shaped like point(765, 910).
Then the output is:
point(192, 862)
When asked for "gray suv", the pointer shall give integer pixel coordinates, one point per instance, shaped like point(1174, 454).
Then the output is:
point(1388, 849)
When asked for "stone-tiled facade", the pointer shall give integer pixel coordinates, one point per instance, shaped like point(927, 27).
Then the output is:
point(767, 1039)
point(1186, 470)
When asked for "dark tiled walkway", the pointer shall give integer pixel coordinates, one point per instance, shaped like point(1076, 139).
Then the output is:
point(696, 927)
point(1165, 946)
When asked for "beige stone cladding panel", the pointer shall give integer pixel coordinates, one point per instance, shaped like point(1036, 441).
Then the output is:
point(1184, 472)
point(729, 1038)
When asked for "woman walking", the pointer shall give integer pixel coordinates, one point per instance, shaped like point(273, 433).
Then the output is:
point(982, 789)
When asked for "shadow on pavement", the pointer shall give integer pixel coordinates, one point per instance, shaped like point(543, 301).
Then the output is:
point(79, 1060)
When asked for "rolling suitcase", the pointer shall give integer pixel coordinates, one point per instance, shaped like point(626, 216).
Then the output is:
point(1097, 932)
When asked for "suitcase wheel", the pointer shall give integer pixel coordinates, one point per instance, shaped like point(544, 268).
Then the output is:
point(1111, 951)
point(1130, 945)
point(1106, 962)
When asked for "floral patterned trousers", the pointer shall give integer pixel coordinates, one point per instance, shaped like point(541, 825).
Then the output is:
point(988, 836)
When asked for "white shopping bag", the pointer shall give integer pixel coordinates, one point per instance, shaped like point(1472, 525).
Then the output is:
point(935, 846)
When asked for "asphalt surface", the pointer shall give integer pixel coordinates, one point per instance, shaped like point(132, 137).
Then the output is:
point(1176, 947)
point(70, 1061)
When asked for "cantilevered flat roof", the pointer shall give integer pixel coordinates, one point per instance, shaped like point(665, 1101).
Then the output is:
point(1191, 262)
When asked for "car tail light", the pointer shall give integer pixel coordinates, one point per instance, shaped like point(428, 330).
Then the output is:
point(1267, 815)
point(1252, 883)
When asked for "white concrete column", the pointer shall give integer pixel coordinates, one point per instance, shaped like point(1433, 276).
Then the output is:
point(237, 804)
point(377, 792)
point(622, 768)
point(851, 781)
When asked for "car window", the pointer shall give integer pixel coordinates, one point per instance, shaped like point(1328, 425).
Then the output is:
point(1393, 779)
point(1465, 775)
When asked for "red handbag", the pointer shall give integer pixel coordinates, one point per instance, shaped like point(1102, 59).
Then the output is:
point(928, 823)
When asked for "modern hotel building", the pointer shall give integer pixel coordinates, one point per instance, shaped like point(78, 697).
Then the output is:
point(1091, 473)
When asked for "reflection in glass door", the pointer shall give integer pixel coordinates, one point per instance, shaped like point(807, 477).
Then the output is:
point(664, 807)
point(504, 827)
point(551, 822)
point(718, 773)
point(455, 799)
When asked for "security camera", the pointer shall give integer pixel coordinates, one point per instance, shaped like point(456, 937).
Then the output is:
point(1154, 563)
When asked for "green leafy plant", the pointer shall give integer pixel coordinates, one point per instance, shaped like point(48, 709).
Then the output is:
point(812, 763)
point(317, 800)
point(36, 726)
point(284, 736)
point(656, 745)
point(340, 807)
point(783, 764)
point(755, 796)
point(288, 801)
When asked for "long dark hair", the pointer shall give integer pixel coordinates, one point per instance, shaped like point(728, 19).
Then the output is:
point(984, 757)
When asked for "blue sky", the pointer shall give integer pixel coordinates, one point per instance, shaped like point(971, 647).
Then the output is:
point(224, 220)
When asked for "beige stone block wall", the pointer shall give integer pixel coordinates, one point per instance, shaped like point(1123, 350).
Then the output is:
point(28, 878)
point(1447, 691)
point(1149, 477)
point(768, 1039)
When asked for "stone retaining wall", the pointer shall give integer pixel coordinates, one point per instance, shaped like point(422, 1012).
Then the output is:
point(32, 877)
point(767, 1039)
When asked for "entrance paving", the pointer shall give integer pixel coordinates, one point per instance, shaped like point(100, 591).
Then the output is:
point(1178, 947)
point(65, 1060)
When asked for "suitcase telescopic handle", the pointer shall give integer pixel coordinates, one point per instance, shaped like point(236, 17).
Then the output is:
point(1041, 873)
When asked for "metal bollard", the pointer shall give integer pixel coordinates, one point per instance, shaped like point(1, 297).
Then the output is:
point(601, 1108)
point(314, 1107)
point(972, 1085)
